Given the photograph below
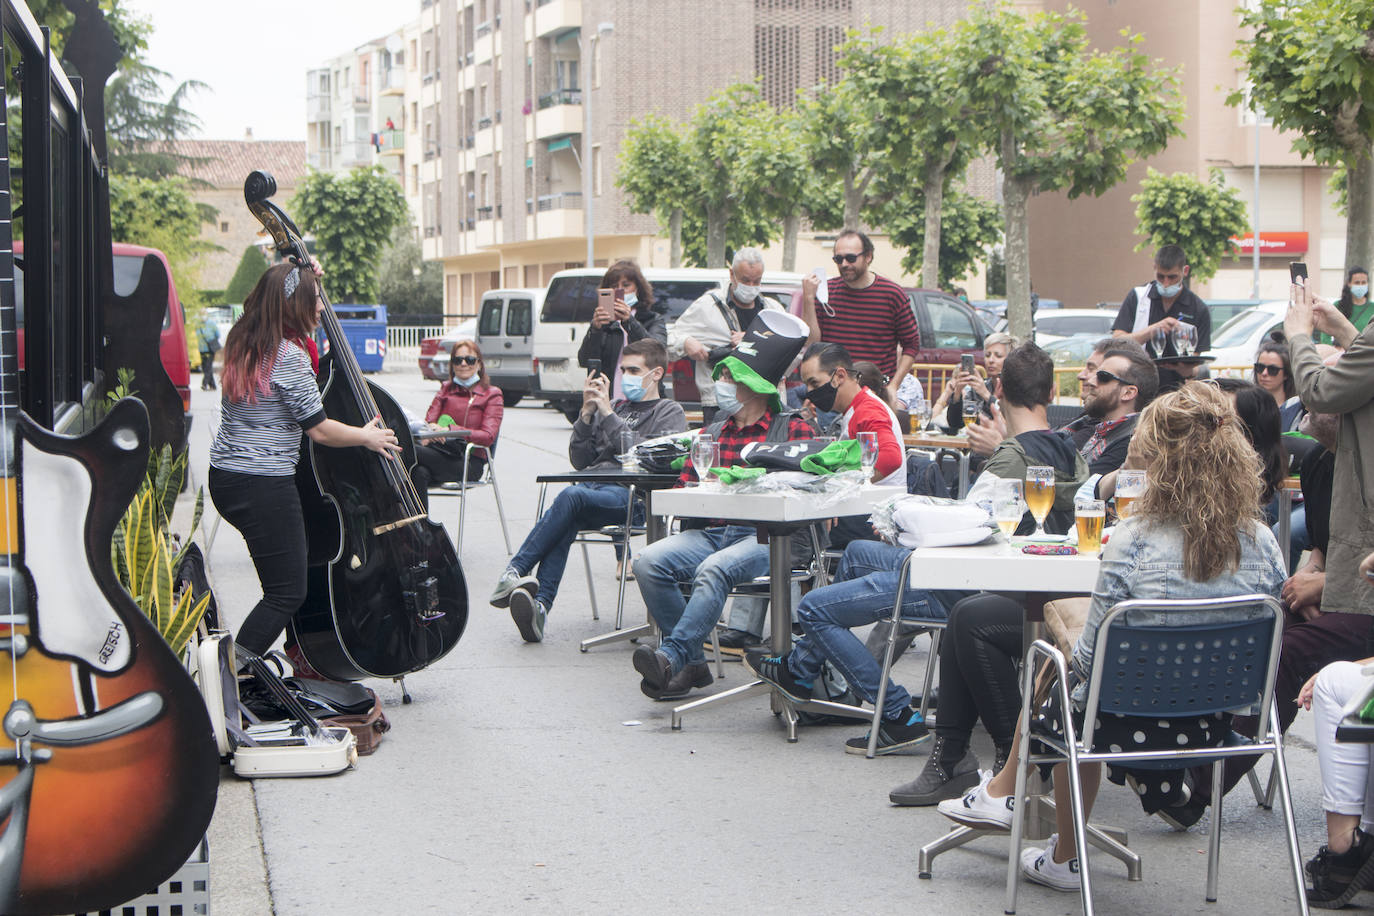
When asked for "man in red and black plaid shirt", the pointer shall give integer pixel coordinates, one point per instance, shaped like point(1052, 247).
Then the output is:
point(720, 556)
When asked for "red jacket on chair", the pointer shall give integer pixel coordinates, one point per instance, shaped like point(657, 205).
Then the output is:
point(477, 408)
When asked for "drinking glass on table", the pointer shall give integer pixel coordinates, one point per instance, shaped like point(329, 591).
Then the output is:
point(921, 415)
point(629, 458)
point(1039, 495)
point(973, 406)
point(868, 452)
point(1090, 515)
point(1008, 505)
point(705, 455)
point(1160, 338)
point(1130, 486)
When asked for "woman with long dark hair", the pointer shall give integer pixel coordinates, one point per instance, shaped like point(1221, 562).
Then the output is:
point(1273, 372)
point(468, 400)
point(270, 398)
point(1354, 302)
point(632, 318)
point(1261, 423)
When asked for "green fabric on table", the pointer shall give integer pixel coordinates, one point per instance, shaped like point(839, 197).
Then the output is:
point(735, 475)
point(679, 463)
point(445, 421)
point(1367, 711)
point(841, 455)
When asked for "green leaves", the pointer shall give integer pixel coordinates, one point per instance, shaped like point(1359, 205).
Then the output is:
point(1200, 216)
point(352, 218)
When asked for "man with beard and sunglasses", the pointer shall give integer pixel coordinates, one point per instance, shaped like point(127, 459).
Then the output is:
point(1117, 381)
point(870, 316)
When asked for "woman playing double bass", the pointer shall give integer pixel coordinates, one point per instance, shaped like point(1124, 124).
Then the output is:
point(270, 397)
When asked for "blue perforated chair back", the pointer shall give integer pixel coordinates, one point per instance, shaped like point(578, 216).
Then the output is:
point(1197, 669)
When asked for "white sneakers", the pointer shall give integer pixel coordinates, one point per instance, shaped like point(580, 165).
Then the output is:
point(1039, 866)
point(979, 809)
point(511, 580)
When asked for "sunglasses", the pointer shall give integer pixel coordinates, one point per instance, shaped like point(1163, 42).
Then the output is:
point(845, 258)
point(1262, 369)
point(1103, 377)
point(466, 360)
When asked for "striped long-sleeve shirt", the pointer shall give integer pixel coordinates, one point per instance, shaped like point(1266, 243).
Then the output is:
point(263, 437)
point(870, 322)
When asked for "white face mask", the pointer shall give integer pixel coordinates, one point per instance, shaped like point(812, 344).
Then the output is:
point(1168, 292)
point(726, 402)
point(746, 294)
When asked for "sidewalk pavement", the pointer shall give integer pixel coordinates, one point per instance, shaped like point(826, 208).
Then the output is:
point(536, 777)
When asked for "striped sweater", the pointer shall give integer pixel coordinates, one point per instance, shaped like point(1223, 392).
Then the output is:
point(870, 322)
point(264, 437)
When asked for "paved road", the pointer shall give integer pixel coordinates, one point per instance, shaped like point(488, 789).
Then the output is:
point(537, 778)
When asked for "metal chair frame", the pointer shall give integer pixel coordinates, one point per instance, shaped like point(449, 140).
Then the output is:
point(1134, 666)
point(459, 488)
point(611, 535)
point(936, 627)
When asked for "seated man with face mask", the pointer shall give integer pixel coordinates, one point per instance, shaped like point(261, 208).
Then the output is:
point(721, 555)
point(596, 440)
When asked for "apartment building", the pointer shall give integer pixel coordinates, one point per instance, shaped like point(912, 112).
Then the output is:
point(1082, 251)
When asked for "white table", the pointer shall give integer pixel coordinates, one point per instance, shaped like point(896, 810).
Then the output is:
point(1003, 567)
point(779, 515)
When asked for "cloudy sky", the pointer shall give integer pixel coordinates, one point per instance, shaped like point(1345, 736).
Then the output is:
point(253, 54)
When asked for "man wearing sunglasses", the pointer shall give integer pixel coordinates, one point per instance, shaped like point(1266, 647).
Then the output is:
point(868, 315)
point(1117, 382)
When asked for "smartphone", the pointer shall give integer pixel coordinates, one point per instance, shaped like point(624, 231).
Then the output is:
point(966, 363)
point(605, 298)
point(593, 367)
point(1297, 272)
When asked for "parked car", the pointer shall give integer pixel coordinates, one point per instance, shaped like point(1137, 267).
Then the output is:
point(1237, 341)
point(1223, 310)
point(506, 321)
point(1072, 351)
point(434, 351)
point(999, 306)
point(1062, 323)
point(567, 312)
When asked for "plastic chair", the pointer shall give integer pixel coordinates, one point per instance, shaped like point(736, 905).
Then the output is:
point(459, 488)
point(611, 535)
point(1162, 660)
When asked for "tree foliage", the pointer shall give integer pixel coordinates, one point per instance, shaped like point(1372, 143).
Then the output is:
point(139, 125)
point(969, 227)
point(159, 213)
point(1311, 70)
point(1201, 216)
point(845, 140)
point(1065, 117)
point(250, 269)
point(408, 285)
point(655, 175)
point(351, 217)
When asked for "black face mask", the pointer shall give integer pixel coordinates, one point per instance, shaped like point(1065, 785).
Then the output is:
point(823, 397)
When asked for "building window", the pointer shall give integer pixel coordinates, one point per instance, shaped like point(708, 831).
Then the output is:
point(414, 116)
point(413, 50)
point(414, 179)
point(224, 226)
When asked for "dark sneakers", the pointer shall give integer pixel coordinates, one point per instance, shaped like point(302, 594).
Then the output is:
point(1336, 879)
point(774, 670)
point(681, 684)
point(941, 779)
point(893, 735)
point(737, 642)
point(654, 666)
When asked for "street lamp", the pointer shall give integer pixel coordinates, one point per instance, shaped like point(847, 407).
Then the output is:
point(585, 48)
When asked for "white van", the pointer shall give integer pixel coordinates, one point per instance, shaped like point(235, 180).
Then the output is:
point(506, 323)
point(567, 312)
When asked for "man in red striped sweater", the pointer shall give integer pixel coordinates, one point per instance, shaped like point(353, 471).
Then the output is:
point(870, 316)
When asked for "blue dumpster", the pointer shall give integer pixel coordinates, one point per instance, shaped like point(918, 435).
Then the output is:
point(365, 328)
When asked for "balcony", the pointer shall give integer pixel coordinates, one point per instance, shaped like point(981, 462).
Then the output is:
point(560, 97)
point(552, 17)
point(489, 212)
point(558, 224)
point(560, 119)
point(393, 142)
point(317, 108)
point(322, 160)
point(361, 100)
point(355, 152)
point(563, 200)
point(393, 81)
point(483, 47)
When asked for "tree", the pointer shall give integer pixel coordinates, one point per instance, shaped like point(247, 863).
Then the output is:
point(845, 141)
point(781, 185)
point(352, 217)
point(969, 227)
point(1311, 70)
point(1201, 216)
point(161, 214)
point(746, 226)
point(924, 126)
point(251, 268)
point(1064, 116)
point(721, 133)
point(139, 126)
point(407, 284)
point(655, 175)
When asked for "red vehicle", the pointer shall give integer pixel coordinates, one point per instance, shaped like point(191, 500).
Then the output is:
point(128, 265)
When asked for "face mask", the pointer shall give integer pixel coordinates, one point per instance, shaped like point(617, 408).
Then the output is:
point(746, 293)
point(823, 397)
point(633, 387)
point(1360, 291)
point(469, 381)
point(1169, 292)
point(726, 404)
point(631, 300)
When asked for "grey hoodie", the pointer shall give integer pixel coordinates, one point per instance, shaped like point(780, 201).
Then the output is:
point(596, 444)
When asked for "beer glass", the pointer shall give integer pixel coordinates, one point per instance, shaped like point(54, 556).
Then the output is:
point(1008, 505)
point(1090, 515)
point(1130, 486)
point(1039, 495)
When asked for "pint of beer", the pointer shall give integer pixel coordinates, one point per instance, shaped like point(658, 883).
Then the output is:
point(1130, 486)
point(1090, 515)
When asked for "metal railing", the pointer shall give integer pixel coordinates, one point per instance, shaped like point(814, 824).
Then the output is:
point(407, 338)
point(560, 97)
point(564, 200)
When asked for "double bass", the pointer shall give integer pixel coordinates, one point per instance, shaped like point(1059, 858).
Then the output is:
point(385, 592)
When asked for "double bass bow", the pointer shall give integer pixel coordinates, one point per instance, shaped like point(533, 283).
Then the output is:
point(385, 592)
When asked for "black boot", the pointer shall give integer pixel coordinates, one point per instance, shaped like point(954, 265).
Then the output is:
point(950, 771)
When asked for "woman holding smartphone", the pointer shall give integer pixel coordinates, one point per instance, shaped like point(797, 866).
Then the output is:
point(624, 316)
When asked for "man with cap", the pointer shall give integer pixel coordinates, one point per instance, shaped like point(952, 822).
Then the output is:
point(719, 556)
point(714, 324)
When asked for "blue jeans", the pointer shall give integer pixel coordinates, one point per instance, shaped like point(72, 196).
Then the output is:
point(862, 593)
point(713, 560)
point(580, 506)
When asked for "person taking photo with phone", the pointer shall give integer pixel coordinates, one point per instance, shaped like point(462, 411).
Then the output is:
point(624, 316)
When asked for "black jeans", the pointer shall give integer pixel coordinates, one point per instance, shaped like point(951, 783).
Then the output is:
point(207, 371)
point(978, 669)
point(267, 512)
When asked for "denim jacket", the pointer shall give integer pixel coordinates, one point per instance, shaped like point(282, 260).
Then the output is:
point(1144, 559)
